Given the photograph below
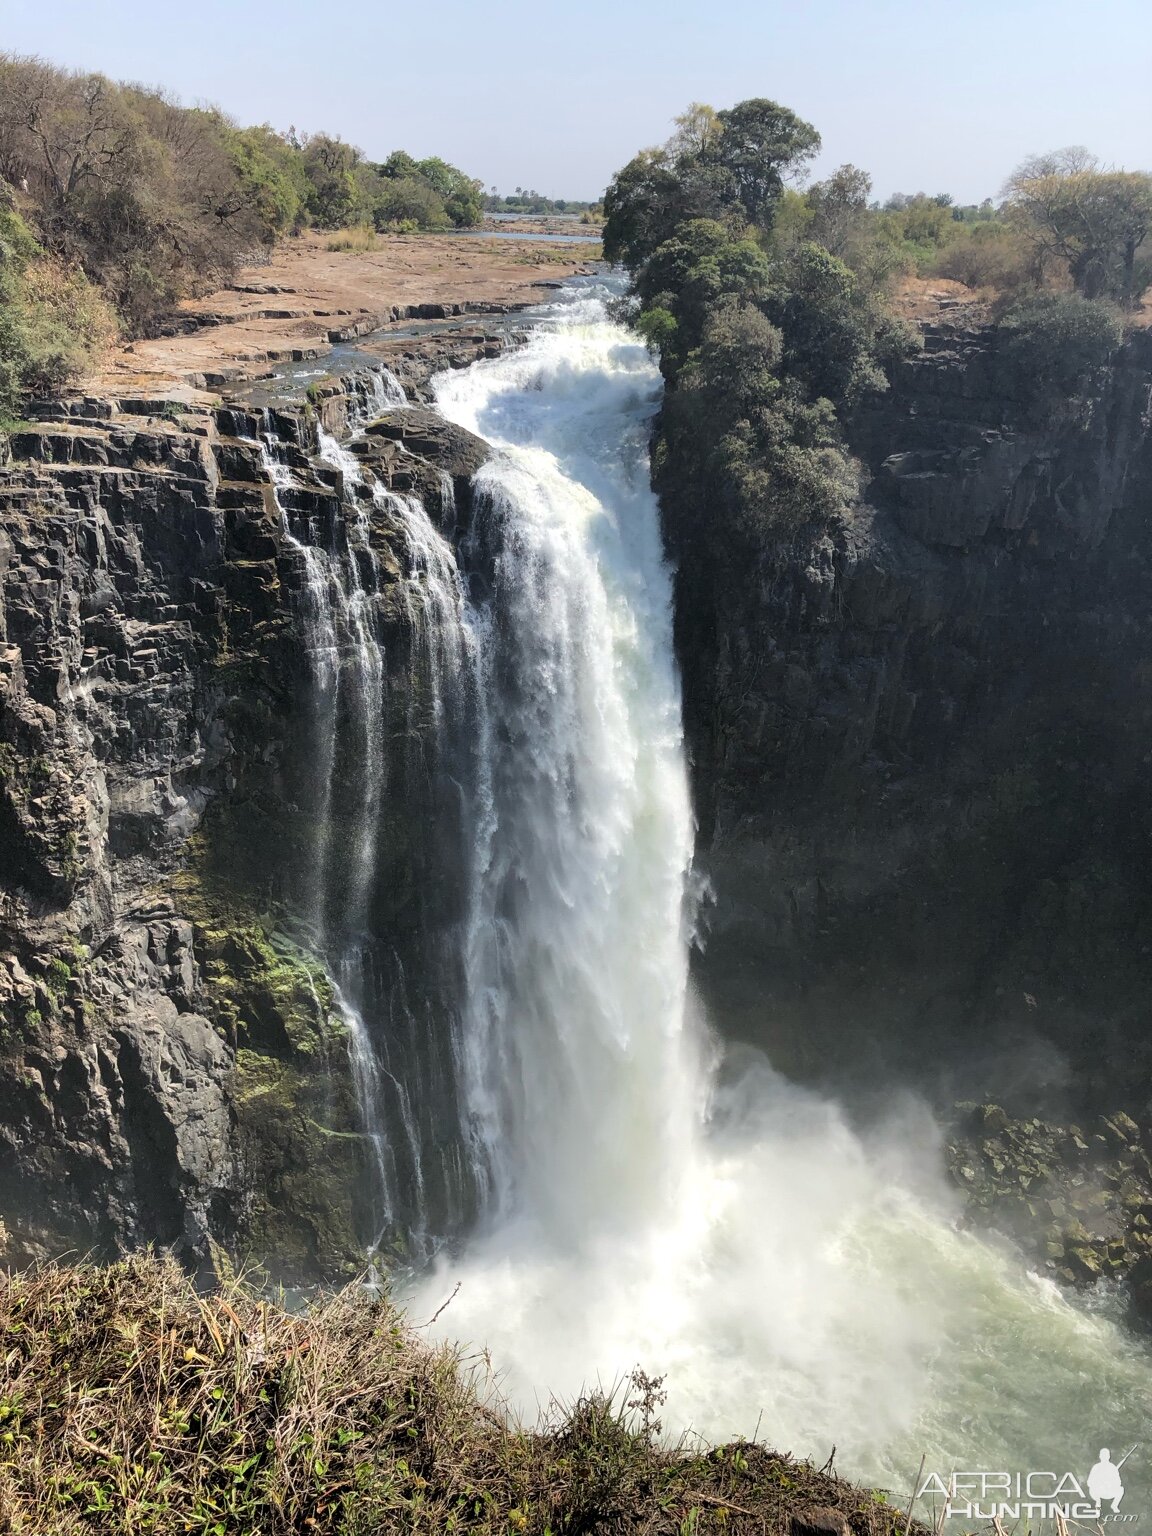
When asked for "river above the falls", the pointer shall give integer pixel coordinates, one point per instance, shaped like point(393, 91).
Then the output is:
point(647, 1197)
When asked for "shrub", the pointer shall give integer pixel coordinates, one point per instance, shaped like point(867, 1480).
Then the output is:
point(68, 325)
point(409, 200)
point(657, 326)
point(985, 255)
point(1050, 341)
point(53, 322)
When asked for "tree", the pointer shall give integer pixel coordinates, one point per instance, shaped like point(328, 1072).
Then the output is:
point(458, 198)
point(833, 335)
point(1094, 221)
point(333, 192)
point(759, 144)
point(460, 193)
point(839, 208)
point(697, 129)
point(71, 137)
point(1051, 340)
point(409, 202)
point(761, 455)
point(399, 166)
point(272, 176)
point(652, 197)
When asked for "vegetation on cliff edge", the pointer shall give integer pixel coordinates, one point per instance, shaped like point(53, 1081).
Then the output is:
point(763, 341)
point(131, 1404)
point(116, 202)
point(769, 306)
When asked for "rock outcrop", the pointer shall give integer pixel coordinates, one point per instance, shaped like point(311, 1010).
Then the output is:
point(1077, 1198)
point(172, 1066)
point(920, 744)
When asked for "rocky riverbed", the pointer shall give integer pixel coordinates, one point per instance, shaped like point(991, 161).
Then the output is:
point(305, 300)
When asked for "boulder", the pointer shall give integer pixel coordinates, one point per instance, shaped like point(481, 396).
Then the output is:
point(425, 432)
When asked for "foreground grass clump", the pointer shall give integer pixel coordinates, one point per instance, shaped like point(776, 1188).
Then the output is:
point(129, 1403)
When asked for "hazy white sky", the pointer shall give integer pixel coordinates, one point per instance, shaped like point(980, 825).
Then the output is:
point(923, 95)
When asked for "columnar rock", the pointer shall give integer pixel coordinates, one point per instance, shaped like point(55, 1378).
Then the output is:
point(920, 743)
point(171, 1067)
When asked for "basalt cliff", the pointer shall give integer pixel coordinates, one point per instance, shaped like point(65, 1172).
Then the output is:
point(174, 1066)
point(921, 744)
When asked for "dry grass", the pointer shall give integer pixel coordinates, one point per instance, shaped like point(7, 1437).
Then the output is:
point(131, 1404)
point(360, 238)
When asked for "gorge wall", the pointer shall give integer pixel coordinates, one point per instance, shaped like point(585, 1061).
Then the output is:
point(173, 1060)
point(919, 741)
point(921, 744)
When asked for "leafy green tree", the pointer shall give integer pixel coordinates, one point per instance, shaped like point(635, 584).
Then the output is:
point(461, 194)
point(697, 129)
point(918, 220)
point(688, 276)
point(400, 166)
point(760, 143)
point(272, 177)
point(641, 208)
point(459, 198)
point(836, 338)
point(410, 202)
point(1051, 340)
point(747, 442)
point(334, 198)
point(839, 210)
point(653, 196)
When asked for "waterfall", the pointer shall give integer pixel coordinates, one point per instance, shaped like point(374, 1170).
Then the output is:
point(401, 1077)
point(646, 1198)
point(574, 1052)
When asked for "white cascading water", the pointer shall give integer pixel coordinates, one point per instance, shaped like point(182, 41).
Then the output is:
point(339, 601)
point(645, 1202)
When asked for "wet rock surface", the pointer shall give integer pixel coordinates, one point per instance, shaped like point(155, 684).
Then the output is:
point(1077, 1197)
point(172, 1065)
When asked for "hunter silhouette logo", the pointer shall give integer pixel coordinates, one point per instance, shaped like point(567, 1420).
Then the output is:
point(1104, 1485)
point(1033, 1495)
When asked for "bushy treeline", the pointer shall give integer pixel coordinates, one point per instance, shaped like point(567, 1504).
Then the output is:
point(765, 334)
point(524, 200)
point(768, 305)
point(52, 319)
point(118, 196)
point(1064, 222)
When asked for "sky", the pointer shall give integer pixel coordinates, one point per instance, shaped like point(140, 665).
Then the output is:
point(924, 95)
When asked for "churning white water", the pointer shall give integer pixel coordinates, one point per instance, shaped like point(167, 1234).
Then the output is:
point(645, 1201)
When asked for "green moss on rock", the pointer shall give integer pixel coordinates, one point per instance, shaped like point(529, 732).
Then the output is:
point(303, 1165)
point(297, 1125)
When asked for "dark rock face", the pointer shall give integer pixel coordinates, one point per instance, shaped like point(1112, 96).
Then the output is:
point(920, 747)
point(416, 449)
point(171, 1064)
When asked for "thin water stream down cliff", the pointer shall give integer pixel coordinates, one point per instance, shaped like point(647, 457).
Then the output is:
point(645, 1196)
